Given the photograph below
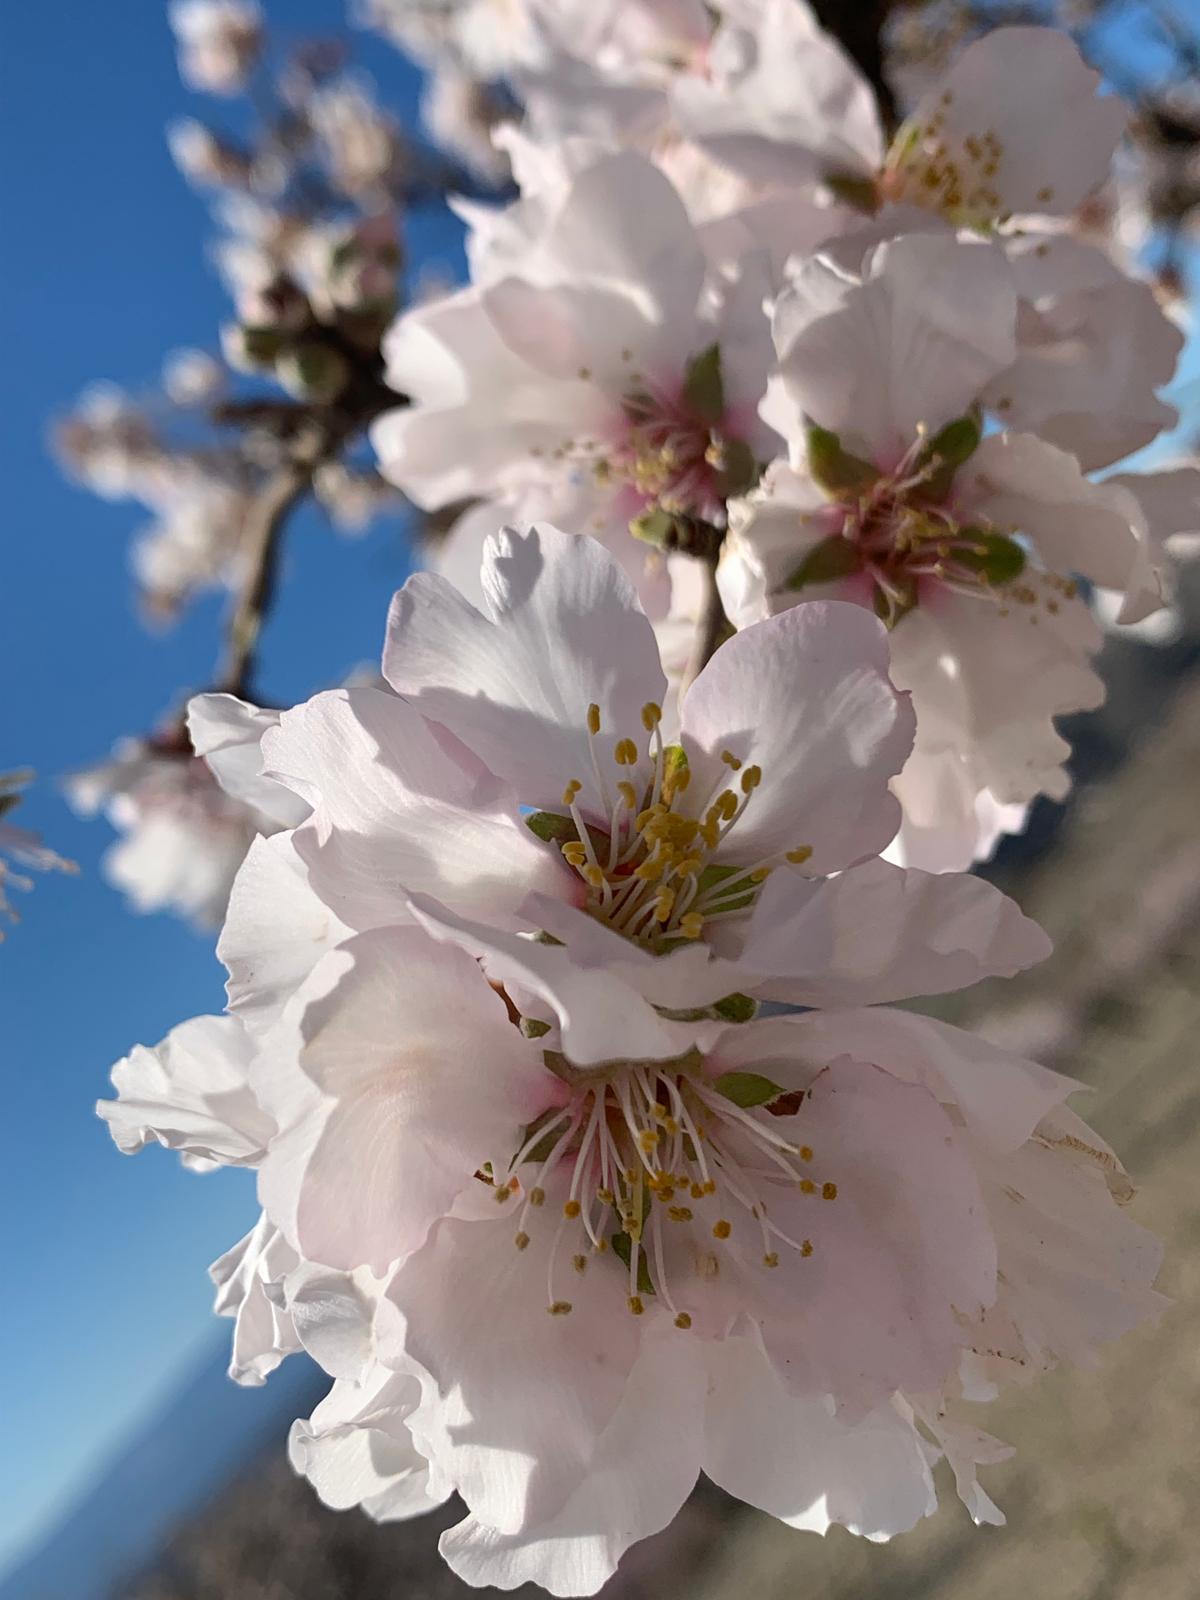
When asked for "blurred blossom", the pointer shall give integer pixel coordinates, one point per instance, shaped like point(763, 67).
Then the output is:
point(219, 42)
point(203, 157)
point(20, 846)
point(192, 377)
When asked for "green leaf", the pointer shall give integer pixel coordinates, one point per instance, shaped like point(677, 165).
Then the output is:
point(747, 1089)
point(736, 1008)
point(622, 1246)
point(834, 470)
point(703, 386)
point(995, 557)
point(833, 558)
point(548, 825)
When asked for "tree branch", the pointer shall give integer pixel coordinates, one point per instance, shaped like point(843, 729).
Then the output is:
point(712, 625)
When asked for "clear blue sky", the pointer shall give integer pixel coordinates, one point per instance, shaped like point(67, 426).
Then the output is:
point(107, 1303)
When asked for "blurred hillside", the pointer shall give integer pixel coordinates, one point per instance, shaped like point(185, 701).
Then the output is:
point(1101, 1493)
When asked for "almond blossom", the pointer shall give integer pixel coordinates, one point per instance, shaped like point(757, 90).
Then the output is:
point(966, 543)
point(606, 359)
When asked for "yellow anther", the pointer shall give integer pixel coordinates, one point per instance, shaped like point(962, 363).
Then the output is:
point(559, 1308)
point(658, 1110)
point(751, 779)
point(593, 718)
point(521, 1240)
point(676, 782)
point(671, 1125)
point(683, 1320)
point(730, 760)
point(651, 716)
point(691, 925)
point(697, 1191)
point(806, 1248)
point(572, 1208)
point(537, 1197)
point(771, 1259)
point(592, 875)
point(663, 905)
point(710, 832)
point(628, 793)
point(805, 1152)
point(501, 1195)
point(651, 870)
point(635, 1304)
point(625, 753)
point(829, 1191)
point(807, 1186)
point(760, 875)
point(574, 853)
point(800, 855)
point(571, 791)
point(605, 1196)
point(647, 1139)
point(722, 1229)
point(579, 1263)
point(600, 1246)
point(679, 1213)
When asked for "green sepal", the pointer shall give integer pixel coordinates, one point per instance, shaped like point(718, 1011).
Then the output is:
point(704, 387)
point(551, 827)
point(747, 1089)
point(739, 470)
point(655, 527)
point(622, 1248)
point(835, 471)
point(861, 193)
point(826, 562)
point(997, 558)
point(890, 610)
point(948, 450)
point(261, 345)
point(714, 875)
point(543, 1147)
point(534, 1028)
point(736, 1008)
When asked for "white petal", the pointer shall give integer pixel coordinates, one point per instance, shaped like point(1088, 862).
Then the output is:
point(228, 732)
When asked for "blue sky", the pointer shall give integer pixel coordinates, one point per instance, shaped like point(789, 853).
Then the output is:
point(108, 1304)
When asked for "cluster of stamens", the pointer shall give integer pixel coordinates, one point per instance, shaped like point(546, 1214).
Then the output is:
point(906, 534)
point(655, 1151)
point(648, 867)
point(955, 178)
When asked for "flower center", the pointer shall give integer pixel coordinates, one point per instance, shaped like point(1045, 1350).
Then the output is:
point(661, 1168)
point(953, 175)
point(650, 868)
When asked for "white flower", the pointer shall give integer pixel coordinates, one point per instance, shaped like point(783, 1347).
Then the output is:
point(966, 544)
point(183, 837)
point(219, 42)
point(606, 360)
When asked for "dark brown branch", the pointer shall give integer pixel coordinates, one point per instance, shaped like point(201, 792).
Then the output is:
point(858, 26)
point(712, 625)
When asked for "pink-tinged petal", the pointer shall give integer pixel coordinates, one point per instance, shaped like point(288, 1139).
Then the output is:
point(901, 1245)
point(191, 1093)
point(1002, 1096)
point(645, 1463)
point(564, 632)
point(1031, 91)
point(356, 1449)
point(1016, 480)
point(515, 1401)
point(603, 989)
point(894, 934)
point(1078, 1271)
point(399, 806)
point(806, 698)
point(228, 732)
point(966, 1449)
point(249, 1281)
point(910, 347)
point(781, 104)
point(333, 1314)
point(1168, 521)
point(794, 1459)
point(392, 1031)
point(276, 930)
point(482, 416)
point(1094, 346)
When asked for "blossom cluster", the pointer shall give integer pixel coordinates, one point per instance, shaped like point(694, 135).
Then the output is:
point(593, 1151)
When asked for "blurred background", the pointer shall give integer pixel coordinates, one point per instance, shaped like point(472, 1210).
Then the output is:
point(132, 1466)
